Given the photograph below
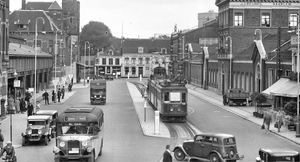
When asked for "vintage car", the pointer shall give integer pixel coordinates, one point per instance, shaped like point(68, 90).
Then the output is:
point(53, 116)
point(109, 77)
point(277, 155)
point(213, 147)
point(38, 129)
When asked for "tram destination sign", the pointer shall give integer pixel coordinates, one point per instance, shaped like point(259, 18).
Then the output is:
point(75, 118)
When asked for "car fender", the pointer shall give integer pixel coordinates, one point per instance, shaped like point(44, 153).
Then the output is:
point(220, 156)
point(181, 148)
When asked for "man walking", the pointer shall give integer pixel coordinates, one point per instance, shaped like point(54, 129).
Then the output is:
point(167, 157)
point(58, 94)
point(267, 121)
point(63, 92)
point(46, 97)
point(1, 140)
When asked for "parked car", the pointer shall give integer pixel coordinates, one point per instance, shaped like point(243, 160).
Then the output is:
point(38, 129)
point(213, 147)
point(53, 115)
point(277, 154)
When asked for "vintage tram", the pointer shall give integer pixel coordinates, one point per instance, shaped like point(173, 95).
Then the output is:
point(169, 97)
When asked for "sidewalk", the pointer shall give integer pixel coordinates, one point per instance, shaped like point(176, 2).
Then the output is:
point(19, 121)
point(245, 112)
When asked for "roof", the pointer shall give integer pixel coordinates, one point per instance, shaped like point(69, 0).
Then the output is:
point(20, 50)
point(86, 114)
point(43, 6)
point(149, 45)
point(280, 151)
point(217, 135)
point(30, 17)
point(46, 112)
point(38, 117)
point(218, 2)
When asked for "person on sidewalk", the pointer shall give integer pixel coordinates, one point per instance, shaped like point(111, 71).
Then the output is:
point(11, 104)
point(17, 106)
point(22, 105)
point(9, 150)
point(53, 96)
point(38, 106)
point(63, 92)
point(279, 119)
point(58, 94)
point(267, 121)
point(167, 157)
point(29, 109)
point(1, 140)
point(46, 97)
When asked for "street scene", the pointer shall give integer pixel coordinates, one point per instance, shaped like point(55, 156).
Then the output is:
point(149, 81)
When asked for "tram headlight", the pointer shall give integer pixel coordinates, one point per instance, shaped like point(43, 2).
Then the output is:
point(179, 109)
point(171, 109)
point(62, 144)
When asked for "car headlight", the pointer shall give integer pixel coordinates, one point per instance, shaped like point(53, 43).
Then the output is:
point(39, 131)
point(178, 109)
point(29, 131)
point(103, 96)
point(56, 150)
point(84, 143)
point(95, 96)
point(62, 144)
point(171, 109)
point(89, 149)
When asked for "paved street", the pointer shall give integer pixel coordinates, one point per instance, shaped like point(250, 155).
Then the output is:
point(129, 138)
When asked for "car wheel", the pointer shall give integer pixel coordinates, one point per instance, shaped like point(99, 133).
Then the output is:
point(179, 155)
point(92, 158)
point(214, 158)
point(231, 153)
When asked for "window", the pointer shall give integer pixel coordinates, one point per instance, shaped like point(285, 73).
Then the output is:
point(293, 20)
point(110, 52)
point(288, 72)
point(163, 50)
point(133, 60)
point(117, 61)
point(265, 19)
point(103, 61)
point(238, 19)
point(167, 98)
point(140, 50)
point(39, 43)
point(183, 96)
point(126, 70)
point(127, 60)
point(110, 61)
point(140, 60)
point(270, 77)
point(147, 60)
point(23, 26)
point(133, 70)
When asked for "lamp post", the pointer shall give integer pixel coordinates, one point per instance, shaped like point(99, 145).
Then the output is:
point(90, 57)
point(10, 114)
point(35, 59)
point(230, 61)
point(84, 61)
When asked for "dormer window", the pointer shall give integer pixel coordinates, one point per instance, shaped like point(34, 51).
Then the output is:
point(140, 49)
point(23, 26)
point(163, 50)
point(110, 52)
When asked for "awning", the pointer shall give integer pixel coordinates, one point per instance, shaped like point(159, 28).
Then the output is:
point(83, 65)
point(283, 87)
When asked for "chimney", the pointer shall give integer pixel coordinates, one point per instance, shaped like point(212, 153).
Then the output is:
point(23, 4)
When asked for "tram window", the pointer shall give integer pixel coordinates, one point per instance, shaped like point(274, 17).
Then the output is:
point(183, 97)
point(167, 96)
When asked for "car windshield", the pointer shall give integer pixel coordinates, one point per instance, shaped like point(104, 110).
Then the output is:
point(74, 129)
point(98, 91)
point(36, 122)
point(229, 141)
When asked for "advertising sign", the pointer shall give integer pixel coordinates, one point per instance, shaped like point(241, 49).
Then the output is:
point(17, 83)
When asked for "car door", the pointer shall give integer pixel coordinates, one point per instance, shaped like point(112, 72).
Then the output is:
point(207, 146)
point(197, 147)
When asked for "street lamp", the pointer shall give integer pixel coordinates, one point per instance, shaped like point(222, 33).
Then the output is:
point(84, 61)
point(35, 59)
point(230, 57)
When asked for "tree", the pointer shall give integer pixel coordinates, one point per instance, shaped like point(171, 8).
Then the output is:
point(97, 34)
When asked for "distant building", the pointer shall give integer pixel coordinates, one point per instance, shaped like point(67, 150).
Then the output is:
point(205, 17)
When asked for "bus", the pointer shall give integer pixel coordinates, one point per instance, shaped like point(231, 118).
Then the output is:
point(79, 134)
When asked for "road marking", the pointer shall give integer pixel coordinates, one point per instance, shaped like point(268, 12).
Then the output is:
point(226, 116)
point(190, 110)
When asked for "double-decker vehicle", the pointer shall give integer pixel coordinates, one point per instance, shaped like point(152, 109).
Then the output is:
point(169, 97)
point(79, 134)
point(98, 91)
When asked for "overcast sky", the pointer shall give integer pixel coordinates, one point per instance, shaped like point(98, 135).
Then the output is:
point(140, 18)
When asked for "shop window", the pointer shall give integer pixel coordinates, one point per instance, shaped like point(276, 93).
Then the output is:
point(133, 70)
point(293, 20)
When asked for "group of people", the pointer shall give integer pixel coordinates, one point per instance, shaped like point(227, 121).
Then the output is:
point(60, 94)
point(278, 119)
point(8, 149)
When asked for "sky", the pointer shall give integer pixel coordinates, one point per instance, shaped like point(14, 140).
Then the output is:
point(138, 18)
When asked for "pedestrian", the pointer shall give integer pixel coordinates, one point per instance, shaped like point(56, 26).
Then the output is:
point(53, 96)
point(46, 97)
point(279, 119)
point(17, 106)
point(58, 94)
point(167, 157)
point(267, 121)
point(29, 109)
point(11, 104)
point(224, 99)
point(63, 92)
point(27, 95)
point(22, 105)
point(38, 106)
point(1, 140)
point(70, 87)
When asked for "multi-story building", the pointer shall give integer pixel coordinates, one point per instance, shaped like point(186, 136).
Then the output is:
point(205, 17)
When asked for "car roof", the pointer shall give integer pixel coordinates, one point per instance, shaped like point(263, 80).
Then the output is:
point(280, 151)
point(38, 117)
point(46, 112)
point(223, 135)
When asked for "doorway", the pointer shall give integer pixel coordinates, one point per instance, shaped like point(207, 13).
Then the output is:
point(140, 72)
